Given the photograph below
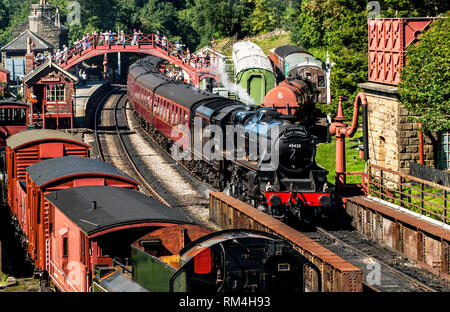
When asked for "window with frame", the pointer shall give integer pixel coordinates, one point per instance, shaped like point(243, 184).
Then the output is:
point(172, 115)
point(166, 116)
point(13, 116)
point(55, 92)
point(443, 151)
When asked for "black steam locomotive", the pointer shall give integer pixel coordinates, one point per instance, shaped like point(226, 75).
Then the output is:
point(255, 154)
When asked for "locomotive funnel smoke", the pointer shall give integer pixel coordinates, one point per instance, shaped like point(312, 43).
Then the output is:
point(233, 87)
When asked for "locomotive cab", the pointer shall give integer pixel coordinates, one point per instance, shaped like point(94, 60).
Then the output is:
point(244, 260)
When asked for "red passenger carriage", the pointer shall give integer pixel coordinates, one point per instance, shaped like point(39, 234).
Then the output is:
point(92, 225)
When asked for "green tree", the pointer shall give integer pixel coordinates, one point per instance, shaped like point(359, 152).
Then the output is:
point(159, 15)
point(267, 16)
point(12, 14)
point(218, 18)
point(425, 85)
point(340, 27)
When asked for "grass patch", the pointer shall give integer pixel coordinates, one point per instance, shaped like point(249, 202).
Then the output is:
point(431, 204)
point(274, 42)
point(326, 157)
point(3, 278)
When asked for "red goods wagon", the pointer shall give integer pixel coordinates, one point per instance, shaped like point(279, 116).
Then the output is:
point(29, 147)
point(56, 174)
point(92, 225)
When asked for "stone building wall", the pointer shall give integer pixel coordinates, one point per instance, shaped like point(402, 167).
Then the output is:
point(393, 137)
point(40, 23)
point(47, 30)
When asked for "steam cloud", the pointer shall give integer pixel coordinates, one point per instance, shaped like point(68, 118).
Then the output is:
point(233, 87)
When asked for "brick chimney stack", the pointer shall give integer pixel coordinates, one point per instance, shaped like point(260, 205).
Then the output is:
point(29, 58)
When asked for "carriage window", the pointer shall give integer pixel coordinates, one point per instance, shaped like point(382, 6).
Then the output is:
point(321, 82)
point(172, 120)
point(166, 116)
point(165, 111)
point(13, 116)
point(55, 93)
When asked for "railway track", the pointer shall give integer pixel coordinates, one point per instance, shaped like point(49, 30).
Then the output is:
point(383, 270)
point(119, 131)
point(117, 142)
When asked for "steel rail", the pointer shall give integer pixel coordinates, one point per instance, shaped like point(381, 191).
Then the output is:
point(96, 134)
point(388, 267)
point(128, 156)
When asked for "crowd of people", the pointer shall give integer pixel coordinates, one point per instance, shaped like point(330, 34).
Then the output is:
point(176, 74)
point(196, 60)
point(110, 37)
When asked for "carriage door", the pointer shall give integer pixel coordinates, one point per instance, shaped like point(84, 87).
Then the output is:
point(257, 88)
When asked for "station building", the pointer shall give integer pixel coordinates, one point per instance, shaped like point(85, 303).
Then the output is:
point(50, 91)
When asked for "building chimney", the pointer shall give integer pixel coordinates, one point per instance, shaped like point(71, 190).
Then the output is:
point(29, 58)
point(57, 18)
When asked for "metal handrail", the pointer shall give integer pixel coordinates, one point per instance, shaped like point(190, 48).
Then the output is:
point(99, 42)
point(399, 189)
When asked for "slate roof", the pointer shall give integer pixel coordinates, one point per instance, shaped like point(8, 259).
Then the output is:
point(48, 64)
point(114, 207)
point(29, 136)
point(56, 168)
point(19, 44)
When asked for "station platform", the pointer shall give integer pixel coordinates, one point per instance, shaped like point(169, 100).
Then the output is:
point(84, 95)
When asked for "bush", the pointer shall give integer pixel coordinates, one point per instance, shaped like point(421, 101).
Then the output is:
point(425, 88)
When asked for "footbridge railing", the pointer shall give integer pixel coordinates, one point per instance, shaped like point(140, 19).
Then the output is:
point(93, 45)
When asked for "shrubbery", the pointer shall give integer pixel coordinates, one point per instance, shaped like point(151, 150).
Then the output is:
point(425, 85)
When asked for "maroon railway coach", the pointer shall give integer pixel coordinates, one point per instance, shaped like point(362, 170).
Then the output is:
point(93, 225)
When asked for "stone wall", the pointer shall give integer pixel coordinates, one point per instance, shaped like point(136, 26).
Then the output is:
point(393, 137)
